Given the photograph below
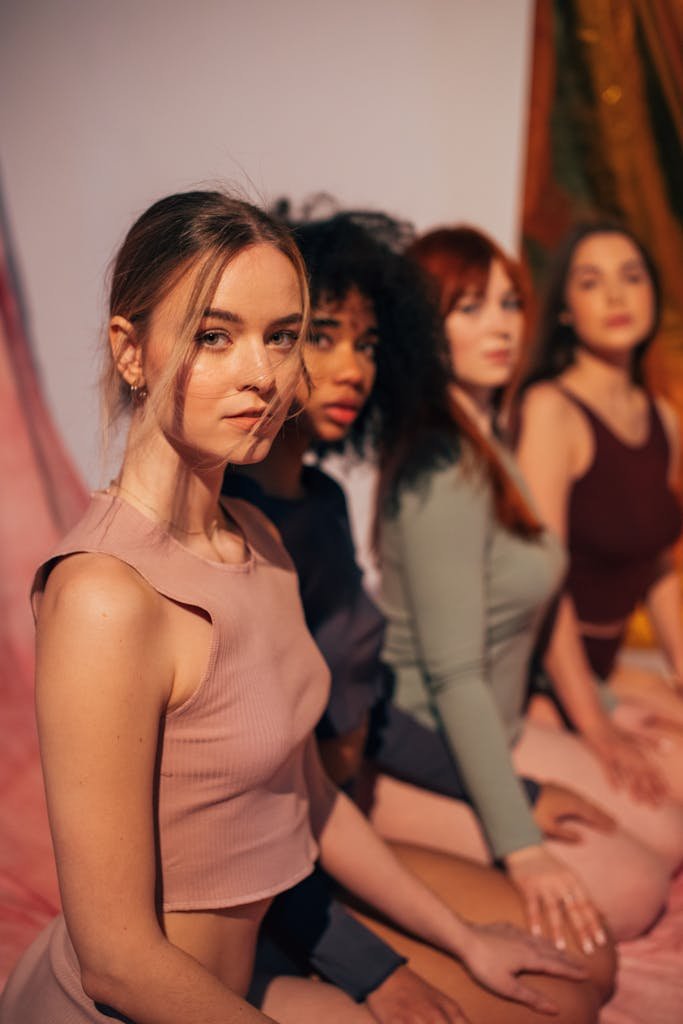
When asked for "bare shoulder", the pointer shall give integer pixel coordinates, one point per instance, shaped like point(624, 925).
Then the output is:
point(549, 414)
point(547, 404)
point(669, 418)
point(93, 590)
point(100, 621)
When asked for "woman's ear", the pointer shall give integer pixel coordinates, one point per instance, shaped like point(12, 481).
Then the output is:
point(127, 351)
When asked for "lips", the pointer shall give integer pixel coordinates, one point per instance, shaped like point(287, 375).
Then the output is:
point(619, 320)
point(342, 413)
point(501, 356)
point(247, 419)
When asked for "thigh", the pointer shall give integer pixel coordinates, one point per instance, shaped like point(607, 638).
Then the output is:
point(404, 813)
point(553, 755)
point(292, 1000)
point(484, 895)
point(627, 881)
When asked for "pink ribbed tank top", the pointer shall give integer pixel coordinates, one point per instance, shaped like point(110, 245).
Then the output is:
point(239, 776)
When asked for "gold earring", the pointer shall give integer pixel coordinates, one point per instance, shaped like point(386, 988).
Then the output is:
point(138, 393)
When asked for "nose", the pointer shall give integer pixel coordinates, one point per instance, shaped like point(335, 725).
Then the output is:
point(614, 289)
point(255, 371)
point(500, 321)
point(348, 367)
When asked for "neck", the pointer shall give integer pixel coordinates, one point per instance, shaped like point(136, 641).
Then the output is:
point(156, 475)
point(279, 474)
point(477, 403)
point(608, 374)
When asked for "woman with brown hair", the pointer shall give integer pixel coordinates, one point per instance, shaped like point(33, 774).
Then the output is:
point(600, 454)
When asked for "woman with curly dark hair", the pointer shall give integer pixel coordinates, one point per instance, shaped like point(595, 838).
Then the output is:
point(373, 348)
point(468, 571)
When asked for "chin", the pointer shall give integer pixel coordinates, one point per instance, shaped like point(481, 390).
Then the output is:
point(332, 435)
point(495, 379)
point(614, 346)
point(247, 449)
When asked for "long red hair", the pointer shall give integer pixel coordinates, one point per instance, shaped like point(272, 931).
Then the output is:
point(455, 261)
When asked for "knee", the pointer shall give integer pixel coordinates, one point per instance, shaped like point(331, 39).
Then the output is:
point(643, 891)
point(578, 1004)
point(666, 836)
point(602, 972)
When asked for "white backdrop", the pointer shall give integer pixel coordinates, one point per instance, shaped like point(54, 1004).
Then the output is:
point(413, 106)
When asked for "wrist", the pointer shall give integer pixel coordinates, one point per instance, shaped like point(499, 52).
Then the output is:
point(597, 728)
point(460, 938)
point(523, 855)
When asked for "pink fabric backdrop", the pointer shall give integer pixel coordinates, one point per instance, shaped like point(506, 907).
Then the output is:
point(41, 497)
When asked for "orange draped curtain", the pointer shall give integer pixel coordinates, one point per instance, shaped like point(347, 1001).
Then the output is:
point(605, 138)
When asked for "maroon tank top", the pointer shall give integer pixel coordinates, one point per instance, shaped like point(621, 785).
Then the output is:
point(622, 516)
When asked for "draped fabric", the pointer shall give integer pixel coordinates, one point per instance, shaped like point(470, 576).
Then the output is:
point(605, 138)
point(41, 497)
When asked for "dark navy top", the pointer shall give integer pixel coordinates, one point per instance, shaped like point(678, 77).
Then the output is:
point(346, 624)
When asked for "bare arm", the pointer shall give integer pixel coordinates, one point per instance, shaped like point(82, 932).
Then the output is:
point(353, 853)
point(104, 676)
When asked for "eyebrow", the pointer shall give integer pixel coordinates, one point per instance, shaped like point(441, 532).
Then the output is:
point(233, 318)
point(630, 264)
point(330, 321)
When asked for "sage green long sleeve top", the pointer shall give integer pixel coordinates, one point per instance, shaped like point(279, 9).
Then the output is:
point(464, 597)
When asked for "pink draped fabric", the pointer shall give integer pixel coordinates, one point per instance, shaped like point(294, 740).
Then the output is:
point(650, 979)
point(41, 497)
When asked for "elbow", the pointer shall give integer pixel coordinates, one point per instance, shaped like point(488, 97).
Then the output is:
point(104, 987)
point(109, 976)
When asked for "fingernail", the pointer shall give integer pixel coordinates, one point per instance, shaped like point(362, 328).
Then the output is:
point(588, 946)
point(600, 937)
point(560, 943)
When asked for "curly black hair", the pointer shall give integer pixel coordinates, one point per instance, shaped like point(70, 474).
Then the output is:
point(363, 249)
